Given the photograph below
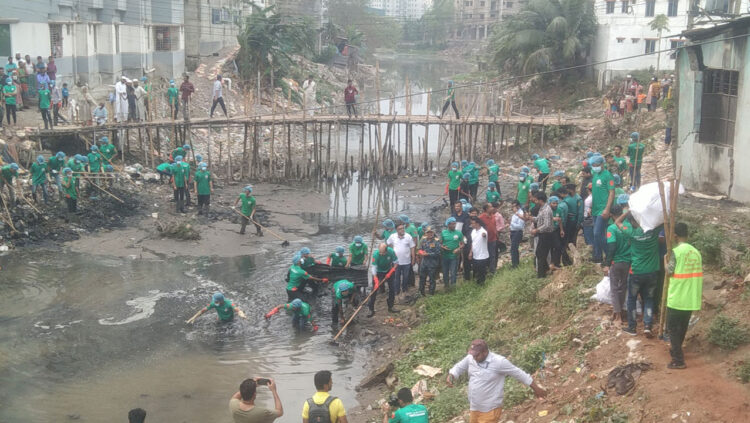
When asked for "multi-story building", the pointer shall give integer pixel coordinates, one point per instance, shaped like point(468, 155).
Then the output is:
point(95, 41)
point(474, 18)
point(402, 9)
point(624, 36)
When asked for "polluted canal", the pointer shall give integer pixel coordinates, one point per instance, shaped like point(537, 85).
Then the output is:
point(86, 337)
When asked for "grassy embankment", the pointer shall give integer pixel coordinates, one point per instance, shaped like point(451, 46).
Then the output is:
point(513, 317)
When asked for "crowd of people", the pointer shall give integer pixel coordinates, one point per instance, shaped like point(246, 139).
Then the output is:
point(632, 96)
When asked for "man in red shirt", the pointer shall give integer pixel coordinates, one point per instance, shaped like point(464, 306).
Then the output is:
point(488, 218)
point(186, 89)
point(349, 97)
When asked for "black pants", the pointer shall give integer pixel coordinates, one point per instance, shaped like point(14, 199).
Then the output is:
point(563, 249)
point(292, 295)
point(72, 204)
point(244, 221)
point(480, 270)
point(187, 194)
point(571, 233)
point(132, 110)
point(179, 195)
point(427, 272)
point(174, 109)
point(391, 291)
point(453, 196)
point(350, 109)
point(57, 116)
point(452, 103)
point(466, 263)
point(543, 177)
point(556, 247)
point(46, 118)
point(204, 201)
point(473, 188)
point(10, 110)
point(219, 101)
point(545, 243)
point(677, 326)
point(515, 242)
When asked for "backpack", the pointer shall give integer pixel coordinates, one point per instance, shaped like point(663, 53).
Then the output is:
point(319, 413)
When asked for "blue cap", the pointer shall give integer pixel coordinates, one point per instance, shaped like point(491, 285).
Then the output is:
point(454, 164)
point(525, 169)
point(358, 239)
point(14, 166)
point(490, 162)
point(84, 159)
point(634, 135)
point(67, 170)
point(143, 78)
point(178, 159)
point(198, 158)
point(463, 201)
point(534, 186)
point(534, 156)
point(296, 258)
point(104, 140)
point(617, 179)
point(464, 163)
point(40, 159)
point(623, 199)
point(491, 185)
point(404, 218)
point(9, 80)
point(596, 160)
point(340, 250)
point(77, 157)
point(203, 166)
point(218, 297)
point(589, 154)
point(296, 303)
point(472, 164)
point(248, 188)
point(60, 155)
point(466, 176)
point(553, 199)
point(304, 251)
point(466, 207)
point(450, 220)
point(559, 173)
point(94, 148)
point(388, 223)
point(186, 147)
point(523, 175)
point(424, 225)
point(171, 81)
point(109, 168)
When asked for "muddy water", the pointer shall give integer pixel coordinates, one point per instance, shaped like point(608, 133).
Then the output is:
point(87, 337)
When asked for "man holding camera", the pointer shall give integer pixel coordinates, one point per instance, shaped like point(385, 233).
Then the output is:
point(242, 404)
point(407, 412)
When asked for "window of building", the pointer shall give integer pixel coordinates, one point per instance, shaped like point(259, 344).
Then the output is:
point(674, 45)
point(481, 4)
point(215, 16)
point(610, 7)
point(56, 40)
point(493, 15)
point(650, 5)
point(635, 40)
point(508, 4)
point(624, 7)
point(95, 35)
point(166, 38)
point(5, 40)
point(650, 46)
point(493, 5)
point(481, 16)
point(718, 106)
point(620, 40)
point(672, 7)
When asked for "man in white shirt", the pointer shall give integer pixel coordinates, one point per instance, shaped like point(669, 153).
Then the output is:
point(403, 245)
point(487, 372)
point(308, 87)
point(121, 100)
point(218, 97)
point(479, 254)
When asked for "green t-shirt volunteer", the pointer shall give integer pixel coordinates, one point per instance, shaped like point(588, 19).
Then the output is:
point(337, 260)
point(601, 184)
point(108, 151)
point(454, 179)
point(38, 173)
point(493, 196)
point(296, 276)
point(383, 264)
point(95, 162)
point(451, 239)
point(493, 172)
point(248, 203)
point(10, 94)
point(303, 310)
point(203, 180)
point(70, 189)
point(225, 310)
point(644, 250)
point(343, 285)
point(55, 164)
point(44, 99)
point(636, 149)
point(178, 174)
point(617, 237)
point(523, 192)
point(542, 165)
point(412, 413)
point(358, 253)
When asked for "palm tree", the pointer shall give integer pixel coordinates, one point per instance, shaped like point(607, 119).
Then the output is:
point(659, 24)
point(546, 34)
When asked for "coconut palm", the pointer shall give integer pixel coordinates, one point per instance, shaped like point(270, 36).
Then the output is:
point(546, 34)
point(659, 23)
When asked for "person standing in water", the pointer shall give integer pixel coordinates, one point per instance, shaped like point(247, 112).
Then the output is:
point(224, 307)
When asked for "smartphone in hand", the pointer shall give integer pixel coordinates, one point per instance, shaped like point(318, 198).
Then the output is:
point(262, 381)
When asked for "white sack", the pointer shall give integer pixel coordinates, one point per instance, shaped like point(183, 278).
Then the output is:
point(645, 205)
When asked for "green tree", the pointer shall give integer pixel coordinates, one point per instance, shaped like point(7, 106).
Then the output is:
point(267, 42)
point(376, 31)
point(659, 23)
point(437, 22)
point(545, 35)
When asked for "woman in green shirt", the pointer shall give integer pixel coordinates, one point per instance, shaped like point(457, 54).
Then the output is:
point(70, 189)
